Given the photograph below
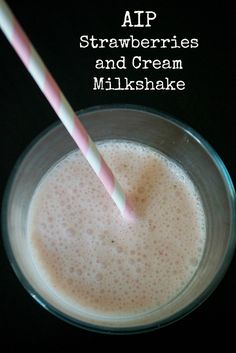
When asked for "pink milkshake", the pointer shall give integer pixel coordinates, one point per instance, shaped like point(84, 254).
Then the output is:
point(96, 261)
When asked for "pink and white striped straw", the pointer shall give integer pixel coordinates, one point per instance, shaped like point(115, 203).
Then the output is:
point(63, 109)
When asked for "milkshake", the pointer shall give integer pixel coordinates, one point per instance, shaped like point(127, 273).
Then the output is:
point(95, 261)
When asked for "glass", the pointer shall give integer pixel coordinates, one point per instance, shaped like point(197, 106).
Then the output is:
point(172, 138)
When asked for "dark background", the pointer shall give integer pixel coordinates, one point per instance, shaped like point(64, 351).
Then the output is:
point(207, 105)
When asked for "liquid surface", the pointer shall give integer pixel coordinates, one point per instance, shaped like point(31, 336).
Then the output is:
point(95, 259)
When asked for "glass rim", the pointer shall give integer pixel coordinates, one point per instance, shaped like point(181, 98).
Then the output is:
point(157, 324)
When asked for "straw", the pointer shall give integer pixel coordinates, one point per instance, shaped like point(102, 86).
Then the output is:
point(34, 64)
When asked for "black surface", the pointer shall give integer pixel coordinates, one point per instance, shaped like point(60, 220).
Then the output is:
point(207, 105)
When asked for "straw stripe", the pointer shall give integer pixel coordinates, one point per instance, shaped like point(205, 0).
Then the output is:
point(93, 156)
point(49, 87)
point(119, 197)
point(20, 43)
point(37, 68)
point(52, 92)
point(67, 115)
point(80, 136)
point(6, 20)
point(105, 174)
